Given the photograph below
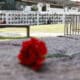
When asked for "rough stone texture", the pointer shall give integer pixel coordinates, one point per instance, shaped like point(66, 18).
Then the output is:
point(61, 45)
point(65, 68)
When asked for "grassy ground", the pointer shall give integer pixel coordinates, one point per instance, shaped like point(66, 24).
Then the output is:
point(55, 28)
point(40, 28)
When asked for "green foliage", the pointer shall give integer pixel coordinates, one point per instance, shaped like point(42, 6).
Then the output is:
point(4, 38)
point(34, 8)
point(9, 5)
point(19, 4)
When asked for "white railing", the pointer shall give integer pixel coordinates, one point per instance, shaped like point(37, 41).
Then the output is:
point(72, 24)
point(33, 18)
point(30, 18)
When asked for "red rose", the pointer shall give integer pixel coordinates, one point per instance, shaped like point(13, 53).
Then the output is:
point(33, 53)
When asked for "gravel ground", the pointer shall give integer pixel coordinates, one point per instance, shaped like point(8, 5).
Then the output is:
point(65, 68)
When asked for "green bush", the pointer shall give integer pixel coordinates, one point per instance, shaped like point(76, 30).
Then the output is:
point(34, 8)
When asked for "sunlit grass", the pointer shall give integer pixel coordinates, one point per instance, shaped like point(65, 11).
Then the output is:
point(55, 28)
point(13, 29)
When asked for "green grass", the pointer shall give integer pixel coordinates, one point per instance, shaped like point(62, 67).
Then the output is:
point(55, 28)
point(39, 28)
point(12, 37)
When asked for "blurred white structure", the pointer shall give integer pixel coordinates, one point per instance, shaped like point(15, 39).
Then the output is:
point(33, 18)
point(49, 12)
point(51, 9)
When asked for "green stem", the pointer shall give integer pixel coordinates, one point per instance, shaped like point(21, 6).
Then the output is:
point(56, 55)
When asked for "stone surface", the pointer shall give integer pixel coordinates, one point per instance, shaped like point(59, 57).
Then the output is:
point(65, 68)
point(60, 45)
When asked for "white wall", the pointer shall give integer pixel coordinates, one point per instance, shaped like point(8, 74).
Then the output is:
point(56, 10)
point(74, 9)
point(27, 8)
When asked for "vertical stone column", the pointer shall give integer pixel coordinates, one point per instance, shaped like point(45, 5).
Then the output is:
point(47, 7)
point(66, 9)
point(40, 5)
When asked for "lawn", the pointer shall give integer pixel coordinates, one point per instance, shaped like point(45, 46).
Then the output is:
point(55, 28)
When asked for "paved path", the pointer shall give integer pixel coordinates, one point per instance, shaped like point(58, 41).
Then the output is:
point(65, 68)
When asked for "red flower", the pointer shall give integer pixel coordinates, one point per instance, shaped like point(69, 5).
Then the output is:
point(33, 53)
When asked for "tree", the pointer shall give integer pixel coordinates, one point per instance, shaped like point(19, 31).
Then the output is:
point(9, 5)
point(34, 8)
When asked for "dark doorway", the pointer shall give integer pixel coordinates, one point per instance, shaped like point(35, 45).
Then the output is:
point(44, 8)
